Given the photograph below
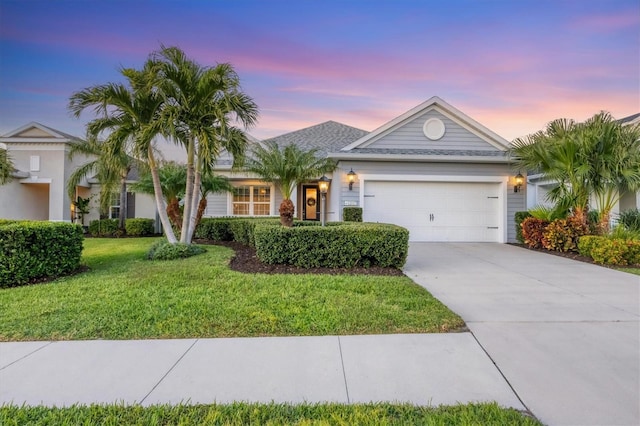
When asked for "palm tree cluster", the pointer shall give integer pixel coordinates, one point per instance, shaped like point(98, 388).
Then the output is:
point(286, 168)
point(599, 157)
point(172, 96)
point(173, 178)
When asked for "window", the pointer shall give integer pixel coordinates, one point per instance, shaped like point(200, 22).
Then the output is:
point(34, 163)
point(114, 206)
point(249, 200)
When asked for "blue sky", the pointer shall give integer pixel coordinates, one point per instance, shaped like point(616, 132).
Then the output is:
point(511, 65)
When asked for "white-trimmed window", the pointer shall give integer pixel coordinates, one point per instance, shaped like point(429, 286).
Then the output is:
point(114, 206)
point(251, 200)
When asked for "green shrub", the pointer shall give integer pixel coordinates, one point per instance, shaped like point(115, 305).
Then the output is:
point(623, 233)
point(630, 219)
point(586, 243)
point(532, 231)
point(519, 217)
point(610, 251)
point(352, 214)
point(104, 228)
point(548, 214)
point(563, 234)
point(138, 227)
point(335, 246)
point(238, 229)
point(215, 229)
point(33, 250)
point(163, 250)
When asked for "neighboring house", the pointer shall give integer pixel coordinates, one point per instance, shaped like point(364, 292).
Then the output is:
point(433, 170)
point(38, 190)
point(538, 187)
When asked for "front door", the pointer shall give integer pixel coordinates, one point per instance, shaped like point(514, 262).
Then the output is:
point(310, 203)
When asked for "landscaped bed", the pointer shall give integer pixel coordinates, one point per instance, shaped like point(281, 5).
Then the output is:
point(275, 414)
point(124, 296)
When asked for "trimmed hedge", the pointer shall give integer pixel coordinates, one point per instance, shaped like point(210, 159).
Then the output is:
point(104, 228)
point(519, 217)
point(352, 214)
point(134, 227)
point(238, 229)
point(32, 250)
point(610, 251)
point(338, 245)
point(138, 227)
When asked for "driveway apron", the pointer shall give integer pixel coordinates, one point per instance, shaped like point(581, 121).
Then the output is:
point(565, 334)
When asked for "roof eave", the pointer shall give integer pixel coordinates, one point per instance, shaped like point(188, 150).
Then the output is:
point(422, 158)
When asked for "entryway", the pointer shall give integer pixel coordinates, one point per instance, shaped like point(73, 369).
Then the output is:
point(310, 202)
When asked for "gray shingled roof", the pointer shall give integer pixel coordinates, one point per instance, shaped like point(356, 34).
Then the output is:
point(629, 118)
point(468, 152)
point(325, 137)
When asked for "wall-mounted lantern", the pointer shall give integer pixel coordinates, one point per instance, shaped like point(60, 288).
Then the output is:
point(519, 181)
point(351, 177)
point(323, 186)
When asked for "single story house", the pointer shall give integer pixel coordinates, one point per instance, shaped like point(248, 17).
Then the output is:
point(433, 170)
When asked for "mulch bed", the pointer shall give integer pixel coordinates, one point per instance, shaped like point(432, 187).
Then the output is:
point(245, 260)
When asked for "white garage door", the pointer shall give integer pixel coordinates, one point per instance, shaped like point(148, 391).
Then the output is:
point(437, 211)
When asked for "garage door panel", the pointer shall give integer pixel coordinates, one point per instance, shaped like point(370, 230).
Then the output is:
point(436, 211)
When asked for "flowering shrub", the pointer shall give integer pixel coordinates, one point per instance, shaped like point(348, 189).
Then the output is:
point(563, 234)
point(532, 231)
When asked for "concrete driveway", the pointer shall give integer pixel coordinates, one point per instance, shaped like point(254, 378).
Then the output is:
point(565, 334)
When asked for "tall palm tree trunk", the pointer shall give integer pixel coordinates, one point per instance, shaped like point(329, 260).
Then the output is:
point(195, 201)
point(186, 215)
point(160, 203)
point(122, 216)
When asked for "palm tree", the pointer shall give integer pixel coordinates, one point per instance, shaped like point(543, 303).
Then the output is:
point(287, 168)
point(111, 171)
point(6, 167)
point(173, 177)
point(130, 115)
point(598, 157)
point(613, 150)
point(202, 104)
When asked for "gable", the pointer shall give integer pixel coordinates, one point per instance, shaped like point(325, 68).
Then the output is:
point(431, 130)
point(34, 132)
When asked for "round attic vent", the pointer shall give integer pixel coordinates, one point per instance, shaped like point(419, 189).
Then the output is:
point(433, 129)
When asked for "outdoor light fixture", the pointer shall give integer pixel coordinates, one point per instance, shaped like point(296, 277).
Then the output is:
point(351, 176)
point(323, 185)
point(519, 182)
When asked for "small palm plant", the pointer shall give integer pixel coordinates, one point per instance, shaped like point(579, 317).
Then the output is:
point(286, 168)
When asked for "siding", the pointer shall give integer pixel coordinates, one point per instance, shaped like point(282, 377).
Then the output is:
point(216, 205)
point(411, 136)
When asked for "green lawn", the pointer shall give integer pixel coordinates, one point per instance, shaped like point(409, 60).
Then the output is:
point(267, 414)
point(124, 296)
point(635, 271)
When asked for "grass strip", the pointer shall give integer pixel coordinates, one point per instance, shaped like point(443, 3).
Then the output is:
point(266, 414)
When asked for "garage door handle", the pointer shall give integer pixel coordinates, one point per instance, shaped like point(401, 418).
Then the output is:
point(492, 227)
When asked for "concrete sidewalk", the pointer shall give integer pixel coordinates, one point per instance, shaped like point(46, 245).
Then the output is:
point(424, 369)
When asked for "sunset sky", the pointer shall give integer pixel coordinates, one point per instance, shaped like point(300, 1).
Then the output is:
point(511, 65)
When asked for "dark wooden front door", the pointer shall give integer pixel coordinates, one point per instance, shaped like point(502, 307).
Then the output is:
point(310, 202)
